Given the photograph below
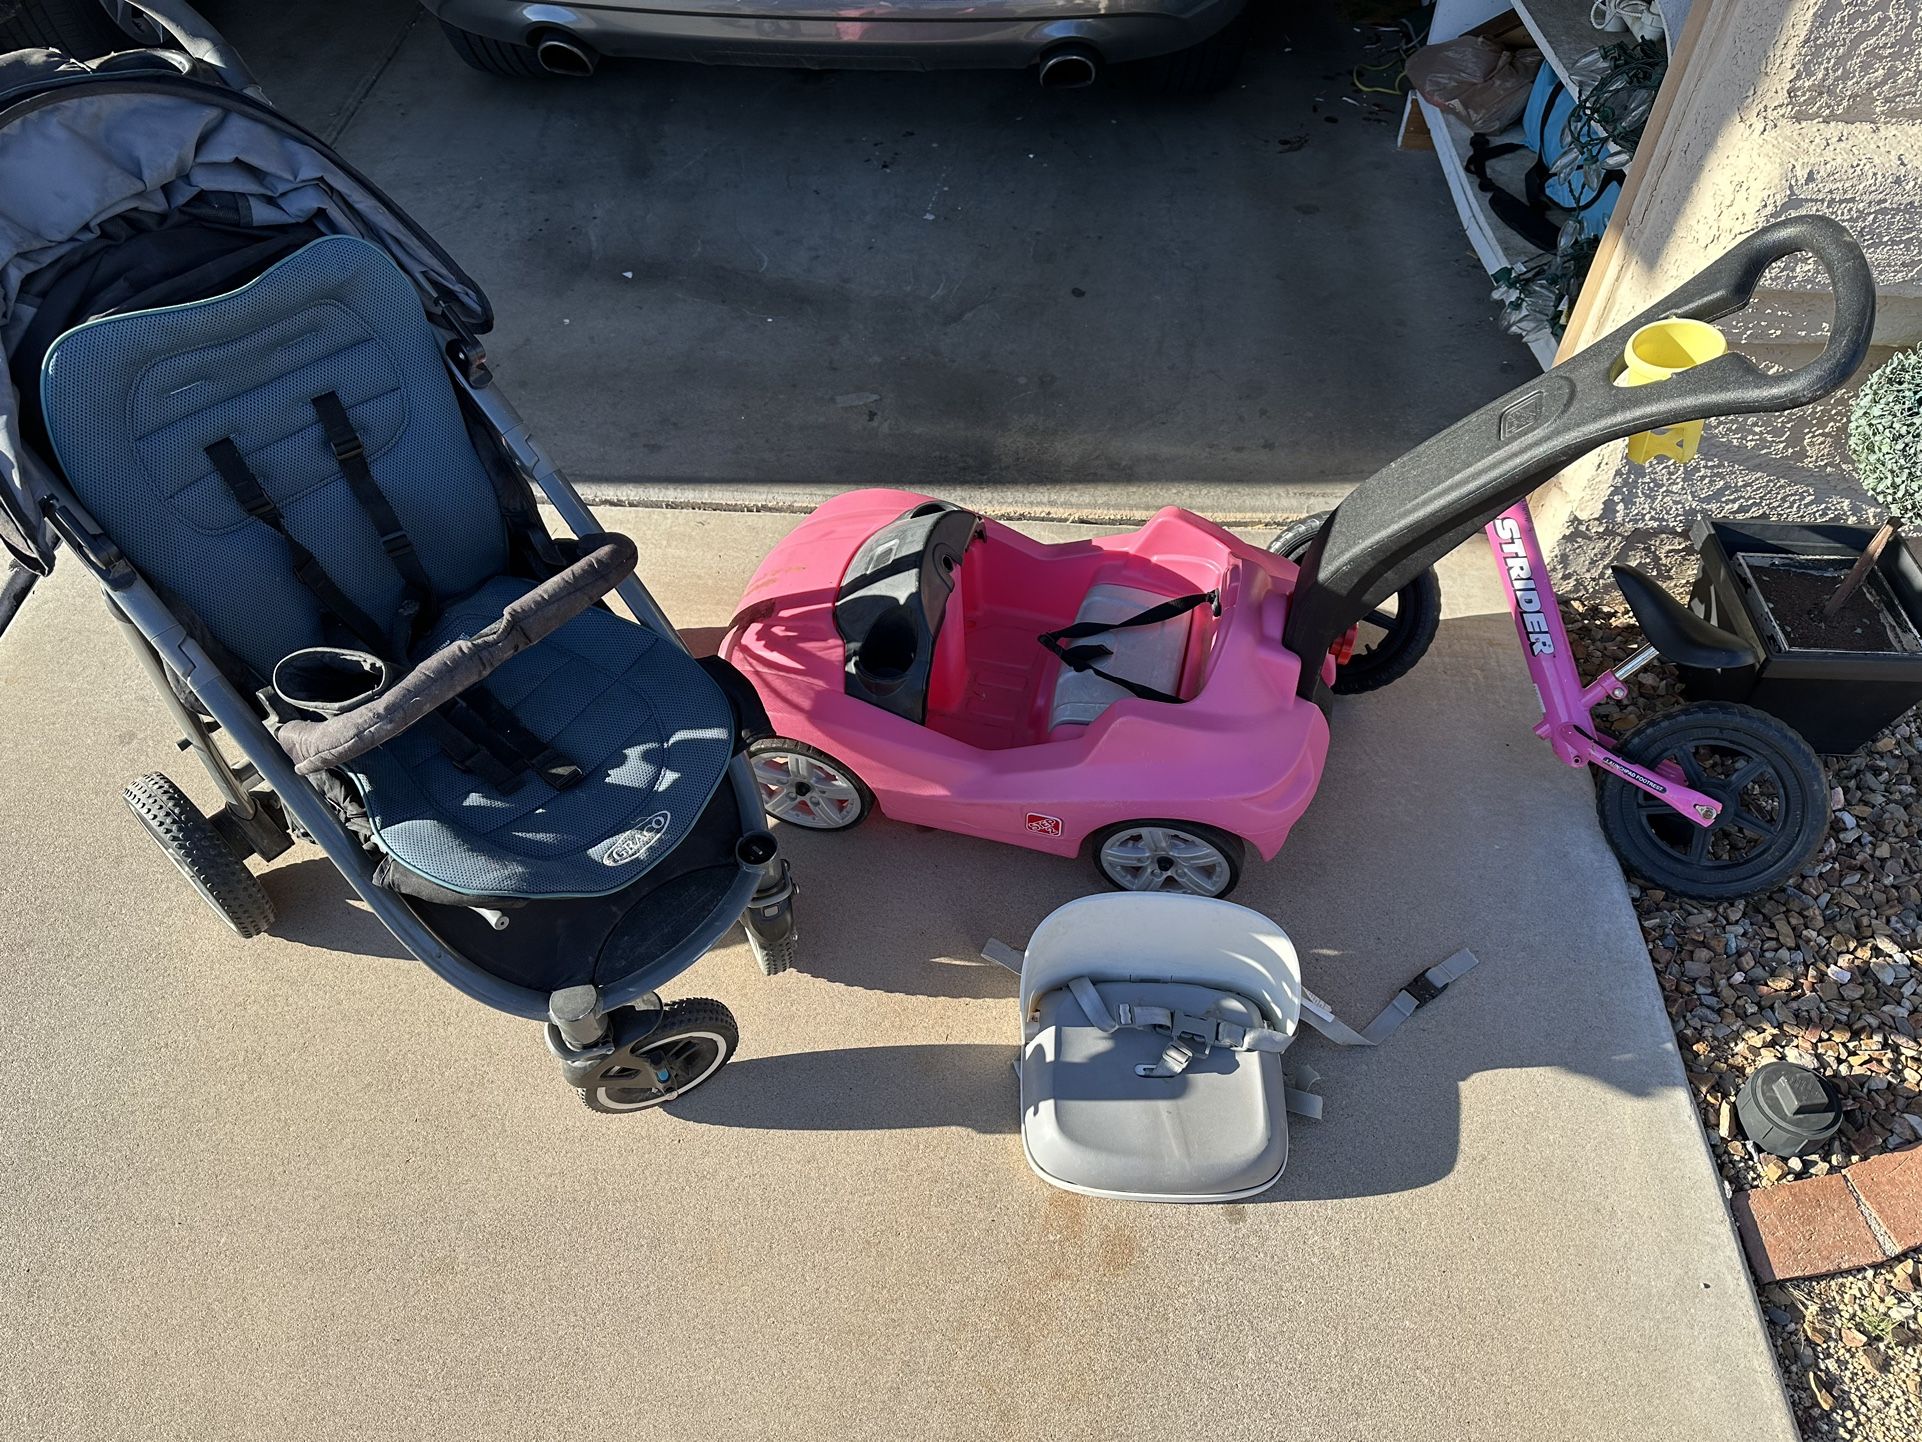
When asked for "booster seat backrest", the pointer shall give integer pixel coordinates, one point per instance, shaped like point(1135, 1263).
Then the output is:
point(133, 401)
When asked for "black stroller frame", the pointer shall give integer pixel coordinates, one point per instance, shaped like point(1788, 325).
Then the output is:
point(599, 1034)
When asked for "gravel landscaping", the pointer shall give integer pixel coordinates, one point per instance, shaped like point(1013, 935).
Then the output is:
point(1821, 972)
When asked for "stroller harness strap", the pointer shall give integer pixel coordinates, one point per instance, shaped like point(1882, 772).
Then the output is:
point(469, 729)
point(350, 454)
point(254, 500)
point(1083, 658)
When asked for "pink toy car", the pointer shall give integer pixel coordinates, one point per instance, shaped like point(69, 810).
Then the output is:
point(1161, 694)
point(898, 644)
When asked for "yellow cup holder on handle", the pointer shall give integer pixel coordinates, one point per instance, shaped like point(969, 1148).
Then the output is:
point(1654, 353)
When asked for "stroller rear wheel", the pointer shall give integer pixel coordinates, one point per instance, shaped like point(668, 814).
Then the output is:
point(1769, 783)
point(693, 1042)
point(1391, 638)
point(203, 856)
point(1169, 856)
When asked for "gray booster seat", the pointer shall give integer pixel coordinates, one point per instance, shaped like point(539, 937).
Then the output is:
point(1153, 1033)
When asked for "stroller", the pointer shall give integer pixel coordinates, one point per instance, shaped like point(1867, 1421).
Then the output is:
point(249, 396)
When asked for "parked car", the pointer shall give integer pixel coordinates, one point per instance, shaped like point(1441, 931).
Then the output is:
point(1184, 47)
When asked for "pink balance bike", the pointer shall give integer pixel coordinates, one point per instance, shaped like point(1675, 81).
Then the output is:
point(1160, 697)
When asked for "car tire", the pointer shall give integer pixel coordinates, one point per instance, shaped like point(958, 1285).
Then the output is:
point(1150, 856)
point(494, 57)
point(80, 28)
point(1200, 70)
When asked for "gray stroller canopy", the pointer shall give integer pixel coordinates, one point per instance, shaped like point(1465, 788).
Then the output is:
point(148, 133)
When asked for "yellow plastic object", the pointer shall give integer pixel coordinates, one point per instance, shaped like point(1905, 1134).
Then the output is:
point(1654, 353)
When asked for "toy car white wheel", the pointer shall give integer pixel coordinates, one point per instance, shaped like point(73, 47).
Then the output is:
point(806, 787)
point(694, 1040)
point(1168, 856)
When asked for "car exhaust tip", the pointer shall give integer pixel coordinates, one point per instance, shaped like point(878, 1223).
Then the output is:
point(559, 55)
point(1070, 67)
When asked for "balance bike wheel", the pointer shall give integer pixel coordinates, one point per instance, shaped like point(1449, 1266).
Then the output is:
point(1768, 782)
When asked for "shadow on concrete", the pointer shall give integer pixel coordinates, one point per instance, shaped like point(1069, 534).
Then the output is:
point(1393, 1122)
point(314, 906)
point(866, 1088)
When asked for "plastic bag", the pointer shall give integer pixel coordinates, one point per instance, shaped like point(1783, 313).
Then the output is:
point(1475, 80)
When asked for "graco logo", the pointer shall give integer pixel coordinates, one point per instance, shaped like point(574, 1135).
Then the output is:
point(632, 845)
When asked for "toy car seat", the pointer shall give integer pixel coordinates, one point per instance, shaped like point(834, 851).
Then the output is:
point(288, 464)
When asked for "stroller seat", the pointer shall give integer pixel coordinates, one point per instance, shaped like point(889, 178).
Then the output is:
point(146, 412)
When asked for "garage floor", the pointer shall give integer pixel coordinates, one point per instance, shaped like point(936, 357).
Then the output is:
point(741, 286)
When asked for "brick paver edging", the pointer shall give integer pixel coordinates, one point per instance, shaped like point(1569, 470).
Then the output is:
point(1864, 1214)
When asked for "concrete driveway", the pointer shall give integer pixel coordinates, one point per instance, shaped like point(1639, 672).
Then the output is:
point(738, 286)
point(298, 1188)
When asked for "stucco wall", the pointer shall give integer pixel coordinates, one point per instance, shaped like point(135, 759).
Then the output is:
point(1778, 107)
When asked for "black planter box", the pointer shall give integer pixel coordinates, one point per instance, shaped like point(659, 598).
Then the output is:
point(1837, 699)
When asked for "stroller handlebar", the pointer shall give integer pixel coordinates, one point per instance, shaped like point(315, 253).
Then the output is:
point(1413, 511)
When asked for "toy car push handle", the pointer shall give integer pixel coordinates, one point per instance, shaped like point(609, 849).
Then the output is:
point(1413, 511)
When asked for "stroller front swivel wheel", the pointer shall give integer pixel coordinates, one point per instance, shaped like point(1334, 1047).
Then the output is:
point(1768, 782)
point(1169, 856)
point(694, 1040)
point(201, 853)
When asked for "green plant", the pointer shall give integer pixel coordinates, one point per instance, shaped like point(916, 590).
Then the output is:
point(1885, 440)
point(1885, 434)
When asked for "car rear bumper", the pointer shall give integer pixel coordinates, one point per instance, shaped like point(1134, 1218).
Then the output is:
point(870, 34)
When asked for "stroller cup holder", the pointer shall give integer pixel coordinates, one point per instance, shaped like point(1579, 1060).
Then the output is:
point(1415, 510)
point(328, 680)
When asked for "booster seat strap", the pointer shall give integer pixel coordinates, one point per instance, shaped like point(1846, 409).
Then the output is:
point(1404, 1004)
point(1083, 658)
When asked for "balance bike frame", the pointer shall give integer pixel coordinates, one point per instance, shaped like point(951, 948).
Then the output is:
point(1568, 707)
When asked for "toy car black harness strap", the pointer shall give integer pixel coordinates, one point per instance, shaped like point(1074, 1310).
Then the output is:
point(1083, 658)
